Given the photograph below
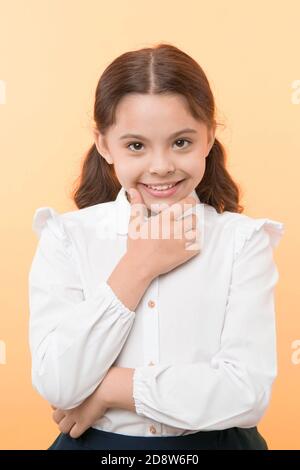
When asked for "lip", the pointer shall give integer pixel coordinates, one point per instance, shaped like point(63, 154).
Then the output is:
point(164, 193)
point(161, 183)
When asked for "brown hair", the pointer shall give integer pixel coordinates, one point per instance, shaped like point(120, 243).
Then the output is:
point(162, 69)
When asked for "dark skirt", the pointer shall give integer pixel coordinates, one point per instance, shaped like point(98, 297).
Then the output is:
point(232, 438)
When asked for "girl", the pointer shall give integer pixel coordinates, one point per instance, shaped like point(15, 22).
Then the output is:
point(154, 342)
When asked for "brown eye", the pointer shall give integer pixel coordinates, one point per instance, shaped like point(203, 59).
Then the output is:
point(134, 143)
point(183, 140)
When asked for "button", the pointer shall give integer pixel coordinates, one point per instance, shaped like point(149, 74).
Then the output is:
point(151, 363)
point(152, 429)
point(151, 303)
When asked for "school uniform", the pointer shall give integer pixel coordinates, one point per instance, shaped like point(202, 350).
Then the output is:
point(202, 340)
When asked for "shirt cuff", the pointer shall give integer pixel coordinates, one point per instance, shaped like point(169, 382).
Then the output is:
point(144, 383)
point(138, 390)
point(116, 302)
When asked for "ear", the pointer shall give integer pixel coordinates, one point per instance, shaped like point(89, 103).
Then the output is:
point(101, 145)
point(210, 139)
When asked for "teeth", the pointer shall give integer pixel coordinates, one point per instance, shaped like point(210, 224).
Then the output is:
point(161, 187)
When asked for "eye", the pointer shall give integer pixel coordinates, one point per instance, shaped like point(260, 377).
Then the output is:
point(139, 143)
point(133, 143)
point(183, 140)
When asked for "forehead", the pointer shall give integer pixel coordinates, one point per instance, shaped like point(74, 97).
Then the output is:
point(153, 114)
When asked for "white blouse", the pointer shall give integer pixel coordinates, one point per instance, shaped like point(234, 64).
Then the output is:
point(202, 340)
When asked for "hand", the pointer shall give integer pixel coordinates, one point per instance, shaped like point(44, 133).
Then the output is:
point(77, 420)
point(179, 236)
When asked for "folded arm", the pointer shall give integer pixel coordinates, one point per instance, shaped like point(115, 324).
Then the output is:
point(73, 340)
point(233, 388)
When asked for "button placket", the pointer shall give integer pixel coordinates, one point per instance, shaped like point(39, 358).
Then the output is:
point(151, 303)
point(152, 429)
point(151, 336)
point(151, 325)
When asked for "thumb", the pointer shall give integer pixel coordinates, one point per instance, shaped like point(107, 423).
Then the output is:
point(138, 206)
point(135, 196)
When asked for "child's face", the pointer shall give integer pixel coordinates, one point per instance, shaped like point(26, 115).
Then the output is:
point(156, 158)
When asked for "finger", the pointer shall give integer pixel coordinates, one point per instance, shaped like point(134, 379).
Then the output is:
point(58, 415)
point(77, 430)
point(66, 424)
point(138, 214)
point(138, 206)
point(189, 222)
point(190, 235)
point(184, 225)
point(193, 242)
point(179, 208)
point(53, 407)
point(195, 247)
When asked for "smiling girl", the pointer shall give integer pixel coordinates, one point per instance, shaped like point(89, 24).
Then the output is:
point(154, 342)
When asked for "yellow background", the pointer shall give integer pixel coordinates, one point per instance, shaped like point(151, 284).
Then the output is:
point(52, 53)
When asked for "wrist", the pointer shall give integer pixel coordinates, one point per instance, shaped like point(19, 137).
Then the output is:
point(117, 389)
point(137, 265)
point(106, 389)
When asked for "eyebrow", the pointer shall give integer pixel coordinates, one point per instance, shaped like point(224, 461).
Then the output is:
point(138, 136)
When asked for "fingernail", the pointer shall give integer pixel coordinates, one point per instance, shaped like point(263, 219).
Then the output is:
point(131, 194)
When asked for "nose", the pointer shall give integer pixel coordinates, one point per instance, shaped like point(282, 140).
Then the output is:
point(161, 166)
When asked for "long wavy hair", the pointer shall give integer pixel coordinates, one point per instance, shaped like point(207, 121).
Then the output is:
point(161, 69)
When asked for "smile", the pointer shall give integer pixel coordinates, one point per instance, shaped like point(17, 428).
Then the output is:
point(161, 190)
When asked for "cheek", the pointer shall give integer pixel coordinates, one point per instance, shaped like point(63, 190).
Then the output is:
point(196, 166)
point(122, 171)
point(127, 169)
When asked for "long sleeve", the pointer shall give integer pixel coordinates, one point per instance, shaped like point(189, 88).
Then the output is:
point(234, 387)
point(73, 340)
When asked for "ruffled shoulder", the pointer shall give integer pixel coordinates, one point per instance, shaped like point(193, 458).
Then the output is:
point(47, 216)
point(50, 218)
point(247, 227)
